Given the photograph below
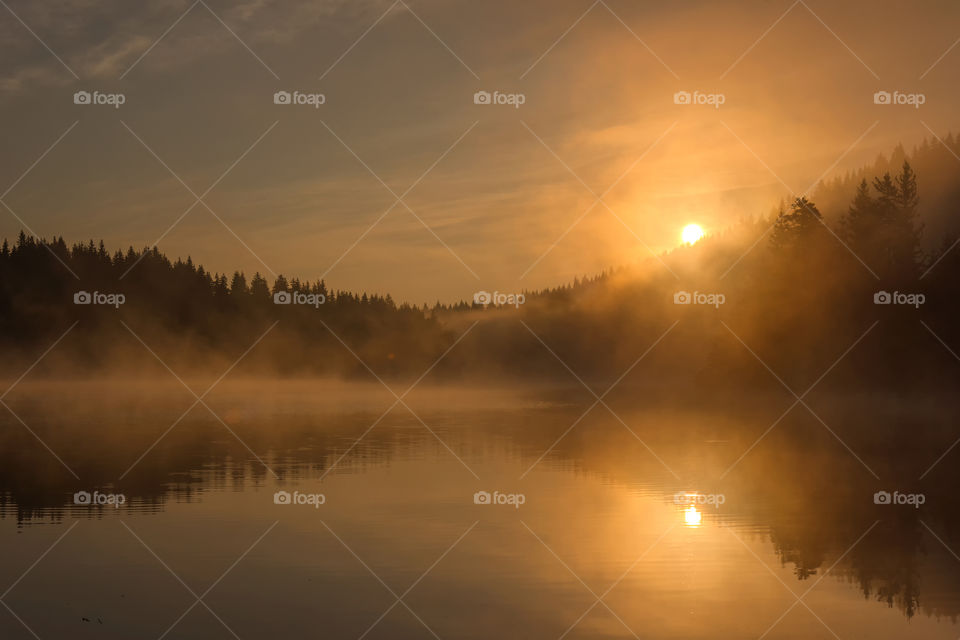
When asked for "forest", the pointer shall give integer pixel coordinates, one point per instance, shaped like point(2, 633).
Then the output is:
point(801, 287)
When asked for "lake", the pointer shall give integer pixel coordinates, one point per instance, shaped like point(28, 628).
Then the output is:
point(304, 508)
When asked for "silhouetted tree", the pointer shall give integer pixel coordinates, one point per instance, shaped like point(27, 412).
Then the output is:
point(800, 224)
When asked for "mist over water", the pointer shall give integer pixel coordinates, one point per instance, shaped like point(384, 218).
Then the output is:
point(651, 497)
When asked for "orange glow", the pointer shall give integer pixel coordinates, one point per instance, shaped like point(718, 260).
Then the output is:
point(691, 233)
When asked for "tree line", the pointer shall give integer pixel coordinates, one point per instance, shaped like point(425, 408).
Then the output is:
point(798, 291)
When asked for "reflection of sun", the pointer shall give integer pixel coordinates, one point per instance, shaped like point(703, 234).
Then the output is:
point(692, 233)
point(692, 517)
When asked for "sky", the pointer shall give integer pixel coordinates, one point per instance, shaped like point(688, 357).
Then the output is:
point(405, 180)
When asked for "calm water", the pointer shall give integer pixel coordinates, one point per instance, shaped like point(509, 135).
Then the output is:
point(599, 547)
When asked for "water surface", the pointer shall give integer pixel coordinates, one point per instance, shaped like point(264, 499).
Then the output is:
point(399, 548)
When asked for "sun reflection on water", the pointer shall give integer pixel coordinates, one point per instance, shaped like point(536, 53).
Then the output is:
point(692, 517)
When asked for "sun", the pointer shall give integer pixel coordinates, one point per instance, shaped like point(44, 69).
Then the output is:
point(692, 233)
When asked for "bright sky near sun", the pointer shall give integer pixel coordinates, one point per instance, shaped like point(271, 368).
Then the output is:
point(691, 233)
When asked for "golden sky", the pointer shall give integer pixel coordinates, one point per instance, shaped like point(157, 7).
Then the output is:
point(491, 196)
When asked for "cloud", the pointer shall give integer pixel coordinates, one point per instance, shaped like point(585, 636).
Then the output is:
point(100, 40)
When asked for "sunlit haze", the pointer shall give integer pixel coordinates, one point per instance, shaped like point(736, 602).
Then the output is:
point(692, 233)
point(494, 195)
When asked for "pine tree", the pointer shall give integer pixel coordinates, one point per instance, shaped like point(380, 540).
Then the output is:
point(259, 289)
point(280, 284)
point(906, 252)
point(238, 286)
point(799, 224)
point(860, 227)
